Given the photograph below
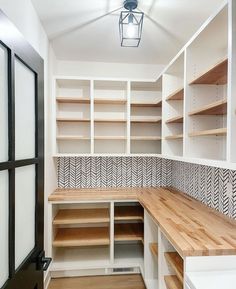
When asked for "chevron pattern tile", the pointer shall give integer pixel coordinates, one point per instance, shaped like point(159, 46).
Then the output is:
point(206, 184)
point(92, 172)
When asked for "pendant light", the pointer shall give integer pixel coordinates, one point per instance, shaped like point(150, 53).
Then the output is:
point(131, 24)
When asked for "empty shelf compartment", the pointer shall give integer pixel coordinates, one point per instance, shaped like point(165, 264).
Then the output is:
point(129, 232)
point(176, 262)
point(172, 282)
point(124, 213)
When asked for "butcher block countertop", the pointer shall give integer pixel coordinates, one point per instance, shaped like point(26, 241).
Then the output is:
point(191, 227)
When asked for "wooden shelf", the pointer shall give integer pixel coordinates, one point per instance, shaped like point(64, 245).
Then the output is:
point(172, 282)
point(146, 119)
point(109, 120)
point(176, 119)
point(148, 138)
point(176, 262)
point(129, 232)
point(154, 249)
point(72, 119)
point(147, 104)
point(215, 75)
point(125, 213)
point(210, 132)
point(216, 108)
point(173, 137)
point(110, 137)
point(85, 100)
point(81, 216)
point(177, 95)
point(109, 101)
point(72, 137)
point(76, 237)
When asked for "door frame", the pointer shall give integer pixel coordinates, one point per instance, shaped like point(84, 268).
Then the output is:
point(18, 47)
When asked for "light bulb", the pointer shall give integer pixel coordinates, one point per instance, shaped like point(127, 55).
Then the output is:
point(131, 30)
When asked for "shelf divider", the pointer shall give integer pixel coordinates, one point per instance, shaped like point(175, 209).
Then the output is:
point(172, 282)
point(210, 132)
point(176, 95)
point(176, 262)
point(176, 119)
point(218, 107)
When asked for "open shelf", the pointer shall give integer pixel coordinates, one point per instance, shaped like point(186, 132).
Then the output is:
point(176, 262)
point(218, 107)
point(82, 216)
point(217, 74)
point(176, 119)
point(210, 132)
point(172, 282)
point(128, 213)
point(146, 119)
point(110, 137)
point(148, 138)
point(76, 237)
point(67, 99)
point(75, 258)
point(72, 119)
point(129, 232)
point(146, 104)
point(174, 137)
point(129, 254)
point(109, 120)
point(154, 249)
point(177, 95)
point(72, 137)
point(109, 101)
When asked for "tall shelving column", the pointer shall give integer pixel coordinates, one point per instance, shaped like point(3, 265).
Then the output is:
point(207, 91)
point(146, 117)
point(173, 115)
point(110, 117)
point(72, 112)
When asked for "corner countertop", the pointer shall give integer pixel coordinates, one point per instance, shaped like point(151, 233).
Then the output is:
point(191, 227)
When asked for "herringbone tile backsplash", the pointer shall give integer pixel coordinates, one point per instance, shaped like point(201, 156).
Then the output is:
point(206, 184)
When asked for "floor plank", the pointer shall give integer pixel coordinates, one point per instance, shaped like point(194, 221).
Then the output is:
point(99, 282)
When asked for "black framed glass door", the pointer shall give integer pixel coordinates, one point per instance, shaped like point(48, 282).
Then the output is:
point(21, 161)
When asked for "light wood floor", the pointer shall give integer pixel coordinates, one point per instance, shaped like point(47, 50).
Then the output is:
point(99, 282)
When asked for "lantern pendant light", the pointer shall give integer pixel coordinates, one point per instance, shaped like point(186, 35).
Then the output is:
point(131, 24)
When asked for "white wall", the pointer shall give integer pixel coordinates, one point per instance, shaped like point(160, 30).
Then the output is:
point(100, 69)
point(25, 18)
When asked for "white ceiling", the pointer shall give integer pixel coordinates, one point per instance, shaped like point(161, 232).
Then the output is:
point(87, 30)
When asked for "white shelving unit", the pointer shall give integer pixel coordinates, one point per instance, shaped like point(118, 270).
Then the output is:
point(188, 113)
point(146, 117)
point(173, 114)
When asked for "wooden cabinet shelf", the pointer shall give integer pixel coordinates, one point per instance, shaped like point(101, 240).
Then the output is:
point(84, 100)
point(210, 132)
point(110, 120)
point(176, 262)
point(174, 137)
point(147, 104)
point(129, 232)
point(217, 108)
point(172, 282)
point(76, 237)
point(110, 137)
point(147, 138)
point(154, 249)
point(81, 216)
point(177, 95)
point(147, 119)
point(128, 213)
point(215, 75)
point(177, 119)
point(109, 101)
point(72, 137)
point(72, 119)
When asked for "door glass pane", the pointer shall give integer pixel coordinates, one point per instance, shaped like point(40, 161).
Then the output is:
point(4, 263)
point(24, 213)
point(25, 111)
point(3, 105)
